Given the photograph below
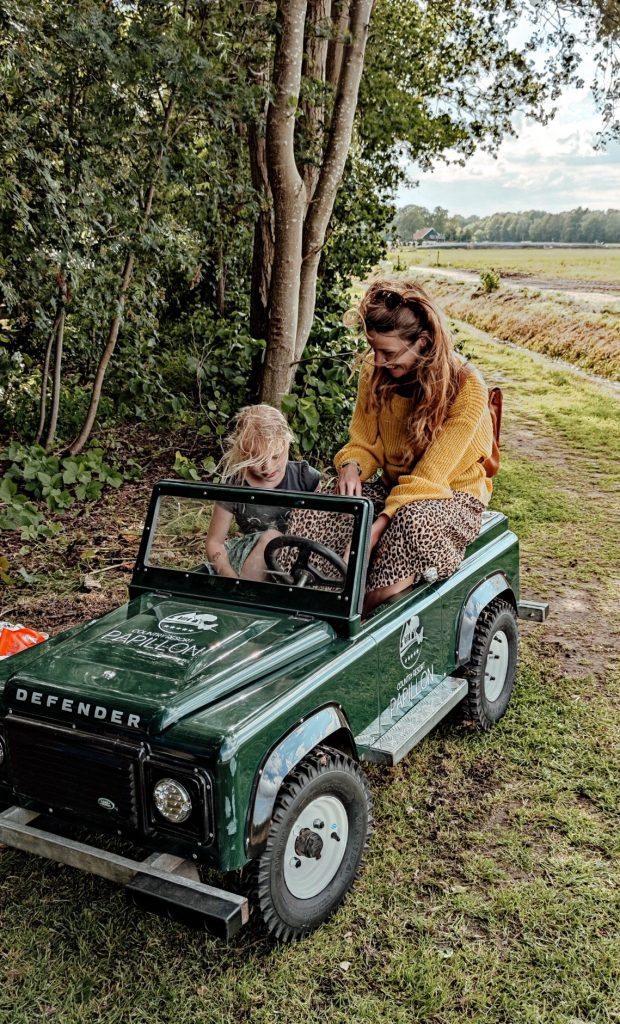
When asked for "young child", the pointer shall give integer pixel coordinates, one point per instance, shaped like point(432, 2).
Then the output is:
point(256, 456)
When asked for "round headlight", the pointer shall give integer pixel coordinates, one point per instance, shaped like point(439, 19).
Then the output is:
point(172, 800)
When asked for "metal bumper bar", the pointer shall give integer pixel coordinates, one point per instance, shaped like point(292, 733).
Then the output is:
point(158, 883)
point(535, 611)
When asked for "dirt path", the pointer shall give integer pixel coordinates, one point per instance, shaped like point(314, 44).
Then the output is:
point(596, 293)
point(566, 565)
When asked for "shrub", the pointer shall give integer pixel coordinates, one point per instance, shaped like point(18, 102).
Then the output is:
point(490, 280)
point(34, 475)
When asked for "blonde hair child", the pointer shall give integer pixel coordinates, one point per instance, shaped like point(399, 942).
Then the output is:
point(256, 455)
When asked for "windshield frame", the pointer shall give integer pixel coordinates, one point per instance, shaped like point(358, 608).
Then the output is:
point(343, 607)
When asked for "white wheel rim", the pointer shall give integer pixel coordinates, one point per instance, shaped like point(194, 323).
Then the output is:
point(325, 818)
point(496, 666)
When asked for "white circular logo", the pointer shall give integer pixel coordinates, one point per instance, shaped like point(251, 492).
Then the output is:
point(411, 637)
point(187, 623)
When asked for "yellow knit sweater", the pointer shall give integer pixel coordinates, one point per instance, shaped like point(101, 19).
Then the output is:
point(451, 463)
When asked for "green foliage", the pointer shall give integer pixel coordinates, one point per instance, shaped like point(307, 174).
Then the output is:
point(211, 359)
point(188, 470)
point(490, 280)
point(320, 406)
point(17, 513)
point(34, 475)
point(80, 150)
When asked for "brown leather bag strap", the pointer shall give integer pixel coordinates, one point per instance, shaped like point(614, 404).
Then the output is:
point(492, 463)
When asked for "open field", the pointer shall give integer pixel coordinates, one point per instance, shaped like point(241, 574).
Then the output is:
point(595, 265)
point(492, 890)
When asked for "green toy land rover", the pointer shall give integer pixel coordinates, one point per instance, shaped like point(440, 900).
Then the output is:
point(223, 723)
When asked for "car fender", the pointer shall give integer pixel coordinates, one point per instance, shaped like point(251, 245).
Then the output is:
point(287, 753)
point(481, 596)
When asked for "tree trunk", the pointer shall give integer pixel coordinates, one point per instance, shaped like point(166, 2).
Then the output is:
point(340, 19)
point(314, 66)
point(339, 141)
point(289, 201)
point(303, 203)
point(220, 280)
point(263, 244)
point(45, 378)
point(263, 247)
point(60, 331)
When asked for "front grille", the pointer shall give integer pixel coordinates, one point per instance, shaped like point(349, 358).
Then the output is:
point(73, 772)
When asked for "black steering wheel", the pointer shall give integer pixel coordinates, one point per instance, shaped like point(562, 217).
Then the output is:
point(302, 573)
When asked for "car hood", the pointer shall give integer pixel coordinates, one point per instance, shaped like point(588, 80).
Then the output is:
point(156, 660)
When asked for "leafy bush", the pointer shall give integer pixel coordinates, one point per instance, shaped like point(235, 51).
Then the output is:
point(320, 406)
point(33, 474)
point(212, 360)
point(188, 470)
point(490, 280)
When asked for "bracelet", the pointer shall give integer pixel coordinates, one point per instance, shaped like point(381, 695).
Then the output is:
point(352, 462)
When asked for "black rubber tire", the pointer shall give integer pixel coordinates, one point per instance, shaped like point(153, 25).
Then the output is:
point(322, 772)
point(499, 616)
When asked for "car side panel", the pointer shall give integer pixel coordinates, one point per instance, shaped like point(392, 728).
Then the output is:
point(499, 559)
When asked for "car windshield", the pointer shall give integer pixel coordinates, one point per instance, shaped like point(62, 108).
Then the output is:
point(244, 544)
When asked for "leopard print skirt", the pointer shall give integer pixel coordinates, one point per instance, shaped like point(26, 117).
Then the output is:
point(422, 535)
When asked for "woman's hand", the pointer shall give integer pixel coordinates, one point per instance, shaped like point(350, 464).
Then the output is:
point(379, 527)
point(349, 481)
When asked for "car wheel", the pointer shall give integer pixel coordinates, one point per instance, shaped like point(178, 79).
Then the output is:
point(491, 671)
point(319, 833)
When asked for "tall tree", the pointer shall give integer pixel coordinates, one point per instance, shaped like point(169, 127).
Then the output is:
point(318, 58)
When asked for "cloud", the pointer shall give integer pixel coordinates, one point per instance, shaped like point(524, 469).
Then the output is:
point(552, 167)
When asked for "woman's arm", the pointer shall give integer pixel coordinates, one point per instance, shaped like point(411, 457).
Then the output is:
point(216, 536)
point(365, 446)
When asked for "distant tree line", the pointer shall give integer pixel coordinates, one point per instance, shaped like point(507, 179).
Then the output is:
point(580, 225)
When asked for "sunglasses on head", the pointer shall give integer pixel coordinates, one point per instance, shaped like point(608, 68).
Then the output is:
point(391, 300)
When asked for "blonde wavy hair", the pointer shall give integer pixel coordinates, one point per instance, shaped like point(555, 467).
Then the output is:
point(260, 431)
point(402, 306)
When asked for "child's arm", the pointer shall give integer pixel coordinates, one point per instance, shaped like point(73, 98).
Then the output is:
point(216, 536)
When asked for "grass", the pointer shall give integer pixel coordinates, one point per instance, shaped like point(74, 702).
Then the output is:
point(491, 893)
point(544, 322)
point(574, 264)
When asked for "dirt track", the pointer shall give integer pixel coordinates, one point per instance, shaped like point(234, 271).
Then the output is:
point(597, 292)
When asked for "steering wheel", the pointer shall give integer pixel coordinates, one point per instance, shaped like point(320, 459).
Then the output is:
point(302, 573)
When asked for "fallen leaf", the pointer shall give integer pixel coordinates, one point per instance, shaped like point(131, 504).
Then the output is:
point(91, 582)
point(344, 965)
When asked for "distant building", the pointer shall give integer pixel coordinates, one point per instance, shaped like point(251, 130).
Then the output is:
point(427, 235)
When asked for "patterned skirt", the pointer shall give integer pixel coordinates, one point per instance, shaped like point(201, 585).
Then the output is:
point(422, 535)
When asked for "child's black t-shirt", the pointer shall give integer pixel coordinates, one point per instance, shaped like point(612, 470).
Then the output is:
point(299, 476)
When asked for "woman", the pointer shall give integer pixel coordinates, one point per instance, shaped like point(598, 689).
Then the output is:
point(422, 420)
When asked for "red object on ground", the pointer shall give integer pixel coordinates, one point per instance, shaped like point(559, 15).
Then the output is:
point(14, 639)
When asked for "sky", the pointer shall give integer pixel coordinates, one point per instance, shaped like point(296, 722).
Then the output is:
point(551, 167)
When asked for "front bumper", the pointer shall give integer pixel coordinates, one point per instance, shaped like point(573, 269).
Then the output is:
point(159, 883)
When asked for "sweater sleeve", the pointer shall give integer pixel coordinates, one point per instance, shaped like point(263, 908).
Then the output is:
point(365, 445)
point(465, 436)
